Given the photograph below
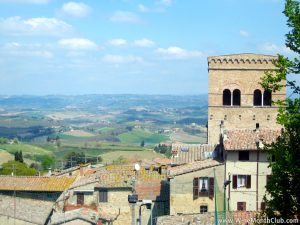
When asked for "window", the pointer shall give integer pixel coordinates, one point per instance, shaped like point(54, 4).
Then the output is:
point(257, 97)
point(240, 181)
point(103, 196)
point(243, 155)
point(203, 209)
point(241, 206)
point(267, 98)
point(226, 97)
point(80, 198)
point(203, 187)
point(236, 97)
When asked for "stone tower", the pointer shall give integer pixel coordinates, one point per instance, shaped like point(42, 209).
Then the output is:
point(235, 97)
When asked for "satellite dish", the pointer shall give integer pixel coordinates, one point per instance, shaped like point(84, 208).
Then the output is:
point(137, 167)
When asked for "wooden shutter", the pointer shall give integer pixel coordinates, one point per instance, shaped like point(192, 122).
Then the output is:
point(196, 188)
point(211, 184)
point(248, 181)
point(103, 196)
point(80, 199)
point(234, 181)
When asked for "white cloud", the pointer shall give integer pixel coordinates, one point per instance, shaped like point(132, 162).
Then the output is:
point(26, 1)
point(274, 49)
point(144, 43)
point(77, 44)
point(75, 9)
point(143, 8)
point(123, 16)
point(39, 26)
point(117, 59)
point(178, 53)
point(244, 33)
point(17, 50)
point(118, 42)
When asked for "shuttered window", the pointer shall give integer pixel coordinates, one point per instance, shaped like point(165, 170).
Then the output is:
point(103, 196)
point(203, 187)
point(80, 198)
point(240, 181)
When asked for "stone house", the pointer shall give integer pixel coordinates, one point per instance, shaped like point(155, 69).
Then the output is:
point(192, 186)
point(103, 196)
point(29, 200)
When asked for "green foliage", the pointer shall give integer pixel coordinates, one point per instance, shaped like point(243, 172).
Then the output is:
point(283, 196)
point(142, 143)
point(75, 158)
point(164, 149)
point(19, 156)
point(120, 161)
point(3, 140)
point(21, 169)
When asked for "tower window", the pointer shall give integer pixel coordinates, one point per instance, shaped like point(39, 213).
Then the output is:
point(236, 97)
point(257, 99)
point(267, 98)
point(226, 97)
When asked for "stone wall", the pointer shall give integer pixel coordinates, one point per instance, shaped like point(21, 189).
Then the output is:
point(181, 191)
point(241, 72)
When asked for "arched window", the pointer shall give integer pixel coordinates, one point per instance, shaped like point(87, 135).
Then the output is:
point(267, 98)
point(226, 97)
point(236, 100)
point(257, 98)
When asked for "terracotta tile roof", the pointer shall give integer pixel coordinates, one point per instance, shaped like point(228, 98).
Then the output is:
point(246, 139)
point(191, 167)
point(35, 183)
point(186, 153)
point(120, 176)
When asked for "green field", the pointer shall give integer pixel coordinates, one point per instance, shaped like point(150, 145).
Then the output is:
point(137, 136)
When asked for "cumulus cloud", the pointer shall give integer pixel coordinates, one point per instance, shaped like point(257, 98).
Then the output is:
point(77, 44)
point(75, 9)
point(178, 53)
point(17, 50)
point(117, 42)
point(274, 49)
point(244, 33)
point(144, 43)
point(117, 59)
point(125, 17)
point(26, 1)
point(39, 26)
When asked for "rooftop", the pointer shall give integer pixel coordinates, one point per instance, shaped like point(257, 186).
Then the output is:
point(247, 139)
point(35, 183)
point(187, 153)
point(191, 167)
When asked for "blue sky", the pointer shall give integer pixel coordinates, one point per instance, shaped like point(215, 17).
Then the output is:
point(128, 46)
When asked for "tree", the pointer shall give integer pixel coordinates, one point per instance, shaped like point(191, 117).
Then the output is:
point(283, 195)
point(19, 156)
point(20, 169)
point(142, 143)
